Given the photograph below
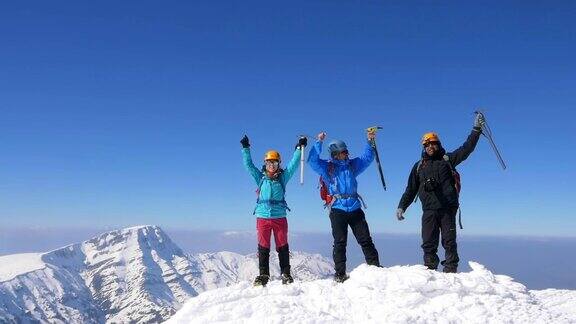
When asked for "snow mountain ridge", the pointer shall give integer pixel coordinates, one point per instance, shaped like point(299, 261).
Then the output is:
point(135, 274)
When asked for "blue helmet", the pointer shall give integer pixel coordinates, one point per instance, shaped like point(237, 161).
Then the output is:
point(336, 147)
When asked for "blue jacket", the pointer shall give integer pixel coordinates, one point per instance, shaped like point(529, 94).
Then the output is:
point(342, 178)
point(271, 191)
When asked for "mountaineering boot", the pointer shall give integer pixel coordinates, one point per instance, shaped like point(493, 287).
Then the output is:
point(287, 279)
point(261, 280)
point(263, 265)
point(341, 277)
point(450, 269)
point(431, 261)
point(284, 259)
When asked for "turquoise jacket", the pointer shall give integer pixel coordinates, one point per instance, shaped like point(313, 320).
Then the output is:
point(342, 179)
point(271, 202)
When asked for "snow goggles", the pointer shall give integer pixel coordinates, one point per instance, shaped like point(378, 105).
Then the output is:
point(272, 162)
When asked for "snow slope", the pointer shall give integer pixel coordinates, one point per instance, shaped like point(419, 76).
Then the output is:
point(132, 275)
point(16, 264)
point(558, 300)
point(400, 294)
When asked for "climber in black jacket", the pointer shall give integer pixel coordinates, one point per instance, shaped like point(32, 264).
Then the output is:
point(434, 180)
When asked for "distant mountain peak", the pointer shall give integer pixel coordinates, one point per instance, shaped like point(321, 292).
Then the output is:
point(146, 232)
point(136, 274)
point(141, 227)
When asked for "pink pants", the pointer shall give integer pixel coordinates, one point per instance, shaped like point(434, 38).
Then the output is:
point(265, 226)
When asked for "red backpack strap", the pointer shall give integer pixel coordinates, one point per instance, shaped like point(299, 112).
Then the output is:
point(330, 170)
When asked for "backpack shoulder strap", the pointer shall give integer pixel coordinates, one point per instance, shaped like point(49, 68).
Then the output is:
point(457, 179)
point(278, 178)
point(261, 181)
point(447, 159)
point(419, 165)
point(330, 170)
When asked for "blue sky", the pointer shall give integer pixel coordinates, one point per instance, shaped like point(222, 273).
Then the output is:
point(116, 114)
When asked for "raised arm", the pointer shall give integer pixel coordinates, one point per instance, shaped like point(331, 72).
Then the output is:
point(361, 163)
point(247, 159)
point(292, 165)
point(460, 154)
point(316, 163)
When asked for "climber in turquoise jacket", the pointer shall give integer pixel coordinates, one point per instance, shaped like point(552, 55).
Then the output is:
point(271, 207)
point(271, 190)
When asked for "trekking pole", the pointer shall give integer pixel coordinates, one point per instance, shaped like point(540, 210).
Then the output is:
point(374, 129)
point(302, 161)
point(487, 132)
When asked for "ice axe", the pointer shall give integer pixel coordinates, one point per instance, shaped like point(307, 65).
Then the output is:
point(374, 129)
point(487, 132)
point(302, 160)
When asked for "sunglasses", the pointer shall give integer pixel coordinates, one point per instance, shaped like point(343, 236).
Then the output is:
point(271, 162)
point(344, 152)
point(430, 144)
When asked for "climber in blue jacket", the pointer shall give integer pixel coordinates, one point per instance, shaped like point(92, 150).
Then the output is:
point(339, 174)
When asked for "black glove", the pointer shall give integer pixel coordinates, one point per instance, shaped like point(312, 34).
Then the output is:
point(245, 142)
point(303, 141)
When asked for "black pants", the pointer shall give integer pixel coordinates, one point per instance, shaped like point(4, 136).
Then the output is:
point(340, 221)
point(264, 259)
point(434, 223)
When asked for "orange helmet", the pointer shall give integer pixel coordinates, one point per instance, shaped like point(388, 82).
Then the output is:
point(430, 137)
point(272, 155)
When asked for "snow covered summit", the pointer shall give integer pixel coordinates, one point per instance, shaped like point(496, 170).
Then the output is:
point(400, 294)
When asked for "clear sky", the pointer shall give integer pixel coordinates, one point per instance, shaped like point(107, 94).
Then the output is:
point(115, 113)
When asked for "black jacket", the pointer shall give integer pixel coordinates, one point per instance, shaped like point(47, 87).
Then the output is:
point(432, 179)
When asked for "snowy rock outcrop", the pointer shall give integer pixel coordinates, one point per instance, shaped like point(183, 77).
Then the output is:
point(132, 275)
point(399, 294)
